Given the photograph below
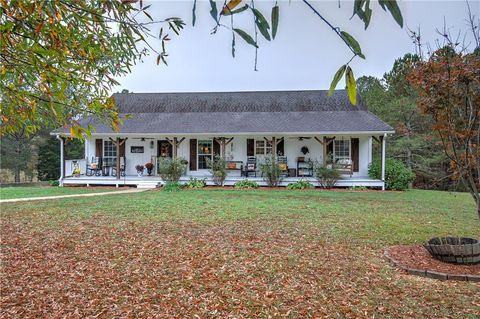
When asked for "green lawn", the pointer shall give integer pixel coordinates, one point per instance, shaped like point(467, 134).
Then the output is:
point(228, 253)
point(40, 191)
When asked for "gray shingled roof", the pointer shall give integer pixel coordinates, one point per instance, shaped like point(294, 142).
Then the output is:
point(260, 101)
point(242, 112)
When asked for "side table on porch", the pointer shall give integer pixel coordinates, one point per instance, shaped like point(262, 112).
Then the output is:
point(304, 168)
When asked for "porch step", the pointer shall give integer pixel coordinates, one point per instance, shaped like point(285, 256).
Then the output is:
point(148, 185)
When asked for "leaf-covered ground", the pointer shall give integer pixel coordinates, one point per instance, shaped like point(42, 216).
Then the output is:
point(40, 191)
point(229, 254)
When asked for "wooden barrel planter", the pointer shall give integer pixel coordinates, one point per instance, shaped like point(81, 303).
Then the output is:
point(457, 250)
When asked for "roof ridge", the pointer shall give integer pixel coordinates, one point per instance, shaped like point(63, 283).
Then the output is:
point(239, 91)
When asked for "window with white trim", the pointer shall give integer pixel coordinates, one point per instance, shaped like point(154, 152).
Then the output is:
point(341, 149)
point(109, 153)
point(205, 153)
point(262, 147)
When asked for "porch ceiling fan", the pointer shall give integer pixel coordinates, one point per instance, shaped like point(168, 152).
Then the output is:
point(143, 138)
point(301, 138)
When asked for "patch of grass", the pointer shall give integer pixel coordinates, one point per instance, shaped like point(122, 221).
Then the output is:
point(41, 191)
point(375, 217)
point(254, 253)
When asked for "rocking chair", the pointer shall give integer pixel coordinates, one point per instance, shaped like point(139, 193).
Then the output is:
point(251, 166)
point(282, 164)
point(122, 168)
point(94, 168)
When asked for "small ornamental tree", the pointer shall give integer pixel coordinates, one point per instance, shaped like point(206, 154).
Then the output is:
point(271, 171)
point(397, 175)
point(170, 170)
point(448, 83)
point(218, 168)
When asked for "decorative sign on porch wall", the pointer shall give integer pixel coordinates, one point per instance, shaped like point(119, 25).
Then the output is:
point(136, 149)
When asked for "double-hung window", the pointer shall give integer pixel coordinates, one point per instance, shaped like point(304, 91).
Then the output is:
point(109, 153)
point(341, 149)
point(205, 153)
point(262, 147)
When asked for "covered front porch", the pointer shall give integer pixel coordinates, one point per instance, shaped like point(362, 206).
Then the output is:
point(116, 158)
point(156, 181)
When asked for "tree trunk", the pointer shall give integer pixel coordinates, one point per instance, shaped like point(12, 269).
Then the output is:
point(409, 164)
point(17, 175)
point(17, 167)
point(478, 208)
point(476, 198)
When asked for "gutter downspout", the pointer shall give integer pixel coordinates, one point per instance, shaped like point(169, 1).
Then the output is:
point(62, 160)
point(383, 159)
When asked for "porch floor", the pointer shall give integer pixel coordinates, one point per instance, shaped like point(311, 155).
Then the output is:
point(156, 181)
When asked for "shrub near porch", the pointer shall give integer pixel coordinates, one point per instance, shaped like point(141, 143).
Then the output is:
point(237, 253)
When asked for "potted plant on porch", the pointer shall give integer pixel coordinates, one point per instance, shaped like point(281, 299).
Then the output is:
point(140, 169)
point(76, 172)
point(149, 167)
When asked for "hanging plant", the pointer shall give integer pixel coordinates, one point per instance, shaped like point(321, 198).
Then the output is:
point(304, 150)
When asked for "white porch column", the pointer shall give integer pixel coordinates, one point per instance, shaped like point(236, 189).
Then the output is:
point(62, 160)
point(383, 159)
point(85, 146)
point(370, 150)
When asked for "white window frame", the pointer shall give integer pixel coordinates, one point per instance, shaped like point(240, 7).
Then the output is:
point(202, 154)
point(266, 148)
point(349, 143)
point(109, 153)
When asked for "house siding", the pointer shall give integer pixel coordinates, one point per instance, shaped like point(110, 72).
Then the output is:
point(133, 159)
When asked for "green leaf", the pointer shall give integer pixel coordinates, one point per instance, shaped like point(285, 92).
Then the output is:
point(368, 14)
point(364, 14)
point(148, 15)
point(261, 23)
point(213, 10)
point(392, 6)
point(357, 6)
point(336, 79)
point(194, 16)
point(351, 86)
point(245, 36)
point(275, 16)
point(352, 43)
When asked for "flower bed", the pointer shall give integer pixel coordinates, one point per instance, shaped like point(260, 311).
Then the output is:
point(417, 261)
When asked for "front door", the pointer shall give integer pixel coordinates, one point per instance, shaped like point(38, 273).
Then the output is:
point(164, 149)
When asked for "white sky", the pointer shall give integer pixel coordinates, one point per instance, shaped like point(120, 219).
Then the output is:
point(304, 55)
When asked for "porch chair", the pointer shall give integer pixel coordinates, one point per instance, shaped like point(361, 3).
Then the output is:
point(282, 164)
point(251, 166)
point(94, 167)
point(122, 168)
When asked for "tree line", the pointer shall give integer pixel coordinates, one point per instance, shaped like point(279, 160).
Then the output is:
point(394, 100)
point(28, 158)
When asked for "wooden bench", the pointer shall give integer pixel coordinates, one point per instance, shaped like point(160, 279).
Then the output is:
point(344, 166)
point(235, 166)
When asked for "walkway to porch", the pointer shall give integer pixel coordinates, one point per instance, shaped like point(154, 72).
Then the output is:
point(156, 181)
